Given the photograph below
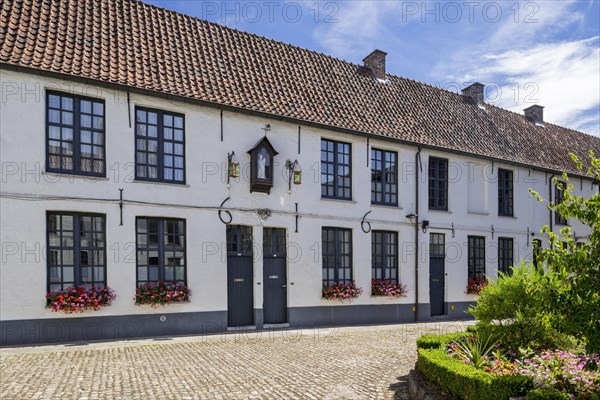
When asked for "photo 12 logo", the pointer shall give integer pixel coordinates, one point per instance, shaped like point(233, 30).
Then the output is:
point(471, 11)
point(269, 11)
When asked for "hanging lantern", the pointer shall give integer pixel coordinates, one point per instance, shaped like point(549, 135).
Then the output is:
point(233, 169)
point(294, 173)
point(297, 177)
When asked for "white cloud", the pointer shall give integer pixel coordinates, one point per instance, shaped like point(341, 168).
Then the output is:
point(563, 77)
point(359, 29)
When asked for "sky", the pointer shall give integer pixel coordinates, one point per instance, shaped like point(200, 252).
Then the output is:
point(524, 52)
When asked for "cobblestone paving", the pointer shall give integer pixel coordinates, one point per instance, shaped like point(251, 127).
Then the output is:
point(339, 363)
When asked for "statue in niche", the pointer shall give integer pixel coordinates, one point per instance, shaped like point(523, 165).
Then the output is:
point(262, 163)
point(261, 173)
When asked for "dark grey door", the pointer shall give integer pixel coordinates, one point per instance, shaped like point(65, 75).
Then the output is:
point(437, 255)
point(274, 276)
point(240, 299)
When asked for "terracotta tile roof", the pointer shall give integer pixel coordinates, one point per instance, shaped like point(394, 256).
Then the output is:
point(142, 46)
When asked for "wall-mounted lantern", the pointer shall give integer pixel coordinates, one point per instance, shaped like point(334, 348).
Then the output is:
point(233, 168)
point(261, 165)
point(294, 173)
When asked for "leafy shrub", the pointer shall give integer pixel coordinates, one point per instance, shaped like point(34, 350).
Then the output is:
point(474, 350)
point(546, 394)
point(467, 382)
point(432, 341)
point(574, 304)
point(511, 309)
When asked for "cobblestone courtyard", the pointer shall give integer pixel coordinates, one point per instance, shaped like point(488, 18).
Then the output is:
point(337, 363)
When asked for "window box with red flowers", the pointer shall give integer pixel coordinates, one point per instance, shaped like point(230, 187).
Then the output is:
point(79, 299)
point(476, 285)
point(341, 291)
point(162, 293)
point(388, 287)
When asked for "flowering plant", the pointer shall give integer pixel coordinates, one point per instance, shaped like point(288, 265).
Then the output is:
point(475, 286)
point(162, 293)
point(78, 299)
point(341, 291)
point(564, 371)
point(388, 287)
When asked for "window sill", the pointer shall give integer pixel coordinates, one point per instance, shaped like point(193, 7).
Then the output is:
point(395, 207)
point(507, 216)
point(90, 178)
point(440, 211)
point(478, 213)
point(338, 200)
point(173, 184)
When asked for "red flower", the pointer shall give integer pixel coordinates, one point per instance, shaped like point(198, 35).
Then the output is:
point(79, 299)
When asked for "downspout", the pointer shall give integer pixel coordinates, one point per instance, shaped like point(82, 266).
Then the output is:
point(550, 200)
point(417, 168)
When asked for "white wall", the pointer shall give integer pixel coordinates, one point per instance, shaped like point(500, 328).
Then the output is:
point(472, 205)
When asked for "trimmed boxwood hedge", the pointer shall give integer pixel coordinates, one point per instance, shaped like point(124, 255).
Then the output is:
point(467, 382)
point(431, 341)
point(462, 380)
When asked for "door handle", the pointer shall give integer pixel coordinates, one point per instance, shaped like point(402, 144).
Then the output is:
point(283, 286)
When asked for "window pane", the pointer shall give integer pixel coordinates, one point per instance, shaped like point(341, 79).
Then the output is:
point(160, 250)
point(71, 259)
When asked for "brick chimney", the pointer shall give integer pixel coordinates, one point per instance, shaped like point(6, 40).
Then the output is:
point(535, 113)
point(474, 91)
point(376, 63)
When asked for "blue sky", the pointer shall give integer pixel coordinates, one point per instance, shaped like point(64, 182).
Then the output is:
point(525, 52)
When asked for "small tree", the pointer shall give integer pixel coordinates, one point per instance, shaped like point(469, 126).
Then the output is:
point(511, 309)
point(574, 304)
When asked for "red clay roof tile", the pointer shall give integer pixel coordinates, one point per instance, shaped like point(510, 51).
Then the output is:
point(135, 44)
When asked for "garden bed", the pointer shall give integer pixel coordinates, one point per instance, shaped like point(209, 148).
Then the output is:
point(549, 375)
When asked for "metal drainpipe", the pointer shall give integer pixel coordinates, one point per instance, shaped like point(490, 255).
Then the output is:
point(417, 165)
point(550, 200)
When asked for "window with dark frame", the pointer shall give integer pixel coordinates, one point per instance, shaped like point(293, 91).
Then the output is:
point(505, 193)
point(384, 255)
point(161, 250)
point(384, 177)
point(437, 245)
point(160, 146)
point(337, 256)
point(476, 259)
point(76, 250)
point(75, 134)
point(559, 196)
point(336, 170)
point(274, 242)
point(239, 240)
point(505, 255)
point(438, 184)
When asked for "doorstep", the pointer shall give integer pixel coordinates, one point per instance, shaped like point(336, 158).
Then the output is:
point(241, 328)
point(276, 326)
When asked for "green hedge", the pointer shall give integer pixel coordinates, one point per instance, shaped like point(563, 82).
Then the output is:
point(465, 381)
point(546, 394)
point(431, 341)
